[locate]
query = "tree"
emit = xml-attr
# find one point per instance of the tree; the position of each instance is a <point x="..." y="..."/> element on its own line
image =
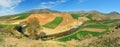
<point x="33" y="28"/>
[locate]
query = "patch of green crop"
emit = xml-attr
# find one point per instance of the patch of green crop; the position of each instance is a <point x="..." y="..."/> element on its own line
<point x="22" y="16"/>
<point x="53" y="24"/>
<point x="90" y="16"/>
<point x="101" y="26"/>
<point x="111" y="21"/>
<point x="81" y="33"/>
<point x="75" y="16"/>
<point x="2" y="25"/>
<point x="8" y="25"/>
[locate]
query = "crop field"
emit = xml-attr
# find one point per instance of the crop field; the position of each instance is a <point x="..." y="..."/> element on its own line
<point x="53" y="24"/>
<point x="101" y="26"/>
<point x="75" y="16"/>
<point x="111" y="21"/>
<point x="22" y="16"/>
<point x="90" y="16"/>
<point x="83" y="32"/>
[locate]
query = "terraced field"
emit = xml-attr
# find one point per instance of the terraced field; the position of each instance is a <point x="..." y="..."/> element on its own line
<point x="22" y="16"/>
<point x="101" y="26"/>
<point x="75" y="16"/>
<point x="53" y="24"/>
<point x="84" y="32"/>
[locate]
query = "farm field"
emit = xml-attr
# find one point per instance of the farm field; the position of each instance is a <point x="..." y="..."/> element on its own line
<point x="59" y="28"/>
<point x="53" y="24"/>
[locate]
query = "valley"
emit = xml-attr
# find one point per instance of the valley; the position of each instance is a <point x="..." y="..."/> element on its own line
<point x="63" y="29"/>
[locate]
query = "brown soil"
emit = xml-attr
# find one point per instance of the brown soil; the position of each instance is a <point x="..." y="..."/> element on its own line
<point x="45" y="18"/>
<point x="94" y="29"/>
<point x="67" y="22"/>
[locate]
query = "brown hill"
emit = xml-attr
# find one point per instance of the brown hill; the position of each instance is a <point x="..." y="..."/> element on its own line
<point x="44" y="18"/>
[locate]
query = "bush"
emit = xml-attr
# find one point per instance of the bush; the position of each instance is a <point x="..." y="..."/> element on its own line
<point x="33" y="28"/>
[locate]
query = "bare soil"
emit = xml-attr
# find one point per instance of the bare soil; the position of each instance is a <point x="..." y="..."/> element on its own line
<point x="94" y="29"/>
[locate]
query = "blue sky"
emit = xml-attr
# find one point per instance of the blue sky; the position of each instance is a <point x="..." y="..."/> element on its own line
<point x="17" y="6"/>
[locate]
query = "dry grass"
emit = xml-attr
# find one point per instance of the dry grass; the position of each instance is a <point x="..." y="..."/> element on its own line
<point x="94" y="29"/>
<point x="14" y="42"/>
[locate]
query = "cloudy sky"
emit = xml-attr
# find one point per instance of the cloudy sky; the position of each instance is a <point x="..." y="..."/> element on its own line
<point x="17" y="6"/>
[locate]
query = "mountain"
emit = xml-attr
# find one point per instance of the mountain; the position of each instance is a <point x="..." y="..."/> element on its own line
<point x="42" y="11"/>
<point x="114" y="13"/>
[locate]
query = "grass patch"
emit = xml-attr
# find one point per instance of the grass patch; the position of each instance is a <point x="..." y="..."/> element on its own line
<point x="101" y="26"/>
<point x="22" y="16"/>
<point x="1" y="38"/>
<point x="2" y="25"/>
<point x="8" y="25"/>
<point x="53" y="24"/>
<point x="75" y="16"/>
<point x="111" y="21"/>
<point x="90" y="16"/>
<point x="82" y="34"/>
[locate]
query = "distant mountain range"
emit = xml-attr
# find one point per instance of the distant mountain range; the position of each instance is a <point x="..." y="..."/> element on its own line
<point x="42" y="11"/>
<point x="34" y="11"/>
<point x="95" y="13"/>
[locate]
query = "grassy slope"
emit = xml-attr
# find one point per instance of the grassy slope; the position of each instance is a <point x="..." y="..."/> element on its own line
<point x="82" y="34"/>
<point x="53" y="24"/>
<point x="90" y="16"/>
<point x="75" y="16"/>
<point x="79" y="35"/>
<point x="101" y="26"/>
<point x="111" y="21"/>
<point x="5" y="28"/>
<point x="22" y="16"/>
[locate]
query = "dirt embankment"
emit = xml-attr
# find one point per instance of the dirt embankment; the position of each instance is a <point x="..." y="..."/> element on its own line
<point x="67" y="22"/>
<point x="94" y="29"/>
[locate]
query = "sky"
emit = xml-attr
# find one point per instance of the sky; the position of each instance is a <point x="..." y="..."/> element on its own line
<point x="8" y="7"/>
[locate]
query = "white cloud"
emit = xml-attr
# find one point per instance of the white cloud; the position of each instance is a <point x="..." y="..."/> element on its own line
<point x="62" y="0"/>
<point x="8" y="6"/>
<point x="51" y="4"/>
<point x="82" y="1"/>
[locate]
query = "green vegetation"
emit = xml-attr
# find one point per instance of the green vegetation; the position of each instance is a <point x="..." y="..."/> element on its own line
<point x="1" y="38"/>
<point x="6" y="28"/>
<point x="2" y="25"/>
<point x="22" y="16"/>
<point x="101" y="26"/>
<point x="75" y="16"/>
<point x="90" y="16"/>
<point x="53" y="24"/>
<point x="111" y="21"/>
<point x="6" y="25"/>
<point x="81" y="34"/>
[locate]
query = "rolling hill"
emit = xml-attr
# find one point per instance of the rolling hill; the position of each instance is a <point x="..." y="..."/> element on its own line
<point x="59" y="26"/>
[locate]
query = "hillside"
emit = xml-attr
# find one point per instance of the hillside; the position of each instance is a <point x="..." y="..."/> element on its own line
<point x="63" y="29"/>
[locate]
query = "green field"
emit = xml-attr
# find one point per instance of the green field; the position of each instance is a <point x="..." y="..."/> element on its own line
<point x="75" y="16"/>
<point x="53" y="24"/>
<point x="101" y="26"/>
<point x="22" y="16"/>
<point x="90" y="16"/>
<point x="81" y="34"/>
<point x="1" y="38"/>
<point x="111" y="21"/>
